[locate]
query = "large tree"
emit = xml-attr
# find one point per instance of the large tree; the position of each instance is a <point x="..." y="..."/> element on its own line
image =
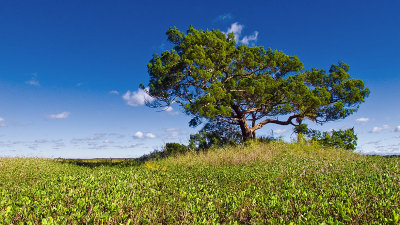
<point x="211" y="77"/>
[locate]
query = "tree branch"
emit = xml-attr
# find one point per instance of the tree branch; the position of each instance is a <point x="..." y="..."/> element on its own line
<point x="287" y="122"/>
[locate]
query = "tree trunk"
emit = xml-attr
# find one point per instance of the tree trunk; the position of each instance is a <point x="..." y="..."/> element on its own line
<point x="246" y="131"/>
<point x="253" y="123"/>
<point x="300" y="138"/>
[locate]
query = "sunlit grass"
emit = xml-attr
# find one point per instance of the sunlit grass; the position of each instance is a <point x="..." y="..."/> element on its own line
<point x="256" y="184"/>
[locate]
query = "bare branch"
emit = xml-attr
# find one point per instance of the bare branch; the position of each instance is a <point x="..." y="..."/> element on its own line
<point x="275" y="121"/>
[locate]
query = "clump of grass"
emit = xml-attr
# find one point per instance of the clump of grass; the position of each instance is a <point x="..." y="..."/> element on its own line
<point x="254" y="184"/>
<point x="253" y="152"/>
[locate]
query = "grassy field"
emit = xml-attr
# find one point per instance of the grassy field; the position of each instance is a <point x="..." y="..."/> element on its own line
<point x="257" y="184"/>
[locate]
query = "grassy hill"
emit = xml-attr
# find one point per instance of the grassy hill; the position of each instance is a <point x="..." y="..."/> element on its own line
<point x="255" y="184"/>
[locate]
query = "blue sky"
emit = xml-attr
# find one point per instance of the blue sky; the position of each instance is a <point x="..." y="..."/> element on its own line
<point x="70" y="70"/>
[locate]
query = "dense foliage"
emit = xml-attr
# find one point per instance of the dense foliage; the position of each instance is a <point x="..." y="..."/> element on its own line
<point x="345" y="139"/>
<point x="257" y="184"/>
<point x="211" y="76"/>
<point x="175" y="148"/>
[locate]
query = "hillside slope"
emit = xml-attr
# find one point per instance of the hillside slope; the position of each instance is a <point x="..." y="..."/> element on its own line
<point x="256" y="184"/>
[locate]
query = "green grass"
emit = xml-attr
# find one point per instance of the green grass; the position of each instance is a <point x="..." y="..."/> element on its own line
<point x="256" y="184"/>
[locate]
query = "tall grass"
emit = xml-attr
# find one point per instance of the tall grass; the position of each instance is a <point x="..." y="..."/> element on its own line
<point x="254" y="184"/>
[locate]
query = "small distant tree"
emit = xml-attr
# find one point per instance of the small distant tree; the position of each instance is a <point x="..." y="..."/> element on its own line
<point x="175" y="148"/>
<point x="211" y="76"/>
<point x="215" y="134"/>
<point x="345" y="139"/>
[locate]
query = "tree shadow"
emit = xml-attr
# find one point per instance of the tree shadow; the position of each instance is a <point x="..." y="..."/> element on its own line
<point x="98" y="162"/>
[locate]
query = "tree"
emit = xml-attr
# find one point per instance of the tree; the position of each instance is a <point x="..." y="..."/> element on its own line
<point x="211" y="76"/>
<point x="175" y="149"/>
<point x="345" y="139"/>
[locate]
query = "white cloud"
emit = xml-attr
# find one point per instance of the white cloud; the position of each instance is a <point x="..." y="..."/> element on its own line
<point x="279" y="131"/>
<point x="362" y="120"/>
<point x="397" y="129"/>
<point x="168" y="109"/>
<point x="138" y="134"/>
<point x="113" y="92"/>
<point x="137" y="98"/>
<point x="59" y="116"/>
<point x="141" y="135"/>
<point x="150" y="135"/>
<point x="236" y="29"/>
<point x="379" y="129"/>
<point x="246" y="39"/>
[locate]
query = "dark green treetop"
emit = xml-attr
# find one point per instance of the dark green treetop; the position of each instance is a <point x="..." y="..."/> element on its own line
<point x="211" y="76"/>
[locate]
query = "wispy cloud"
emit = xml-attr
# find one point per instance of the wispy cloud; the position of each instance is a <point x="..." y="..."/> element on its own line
<point x="59" y="116"/>
<point x="95" y="137"/>
<point x="379" y="129"/>
<point x="223" y="17"/>
<point x="397" y="129"/>
<point x="33" y="81"/>
<point x="374" y="142"/>
<point x="279" y="131"/>
<point x="98" y="139"/>
<point x="174" y="132"/>
<point x="246" y="39"/>
<point x="141" y="135"/>
<point x="137" y="98"/>
<point x="55" y="143"/>
<point x="236" y="29"/>
<point x="114" y="92"/>
<point x="128" y="146"/>
<point x="41" y="141"/>
<point x="170" y="110"/>
<point x="362" y="120"/>
<point x="2" y="124"/>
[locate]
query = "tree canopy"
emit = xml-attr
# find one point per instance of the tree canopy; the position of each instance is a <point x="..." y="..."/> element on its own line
<point x="212" y="77"/>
